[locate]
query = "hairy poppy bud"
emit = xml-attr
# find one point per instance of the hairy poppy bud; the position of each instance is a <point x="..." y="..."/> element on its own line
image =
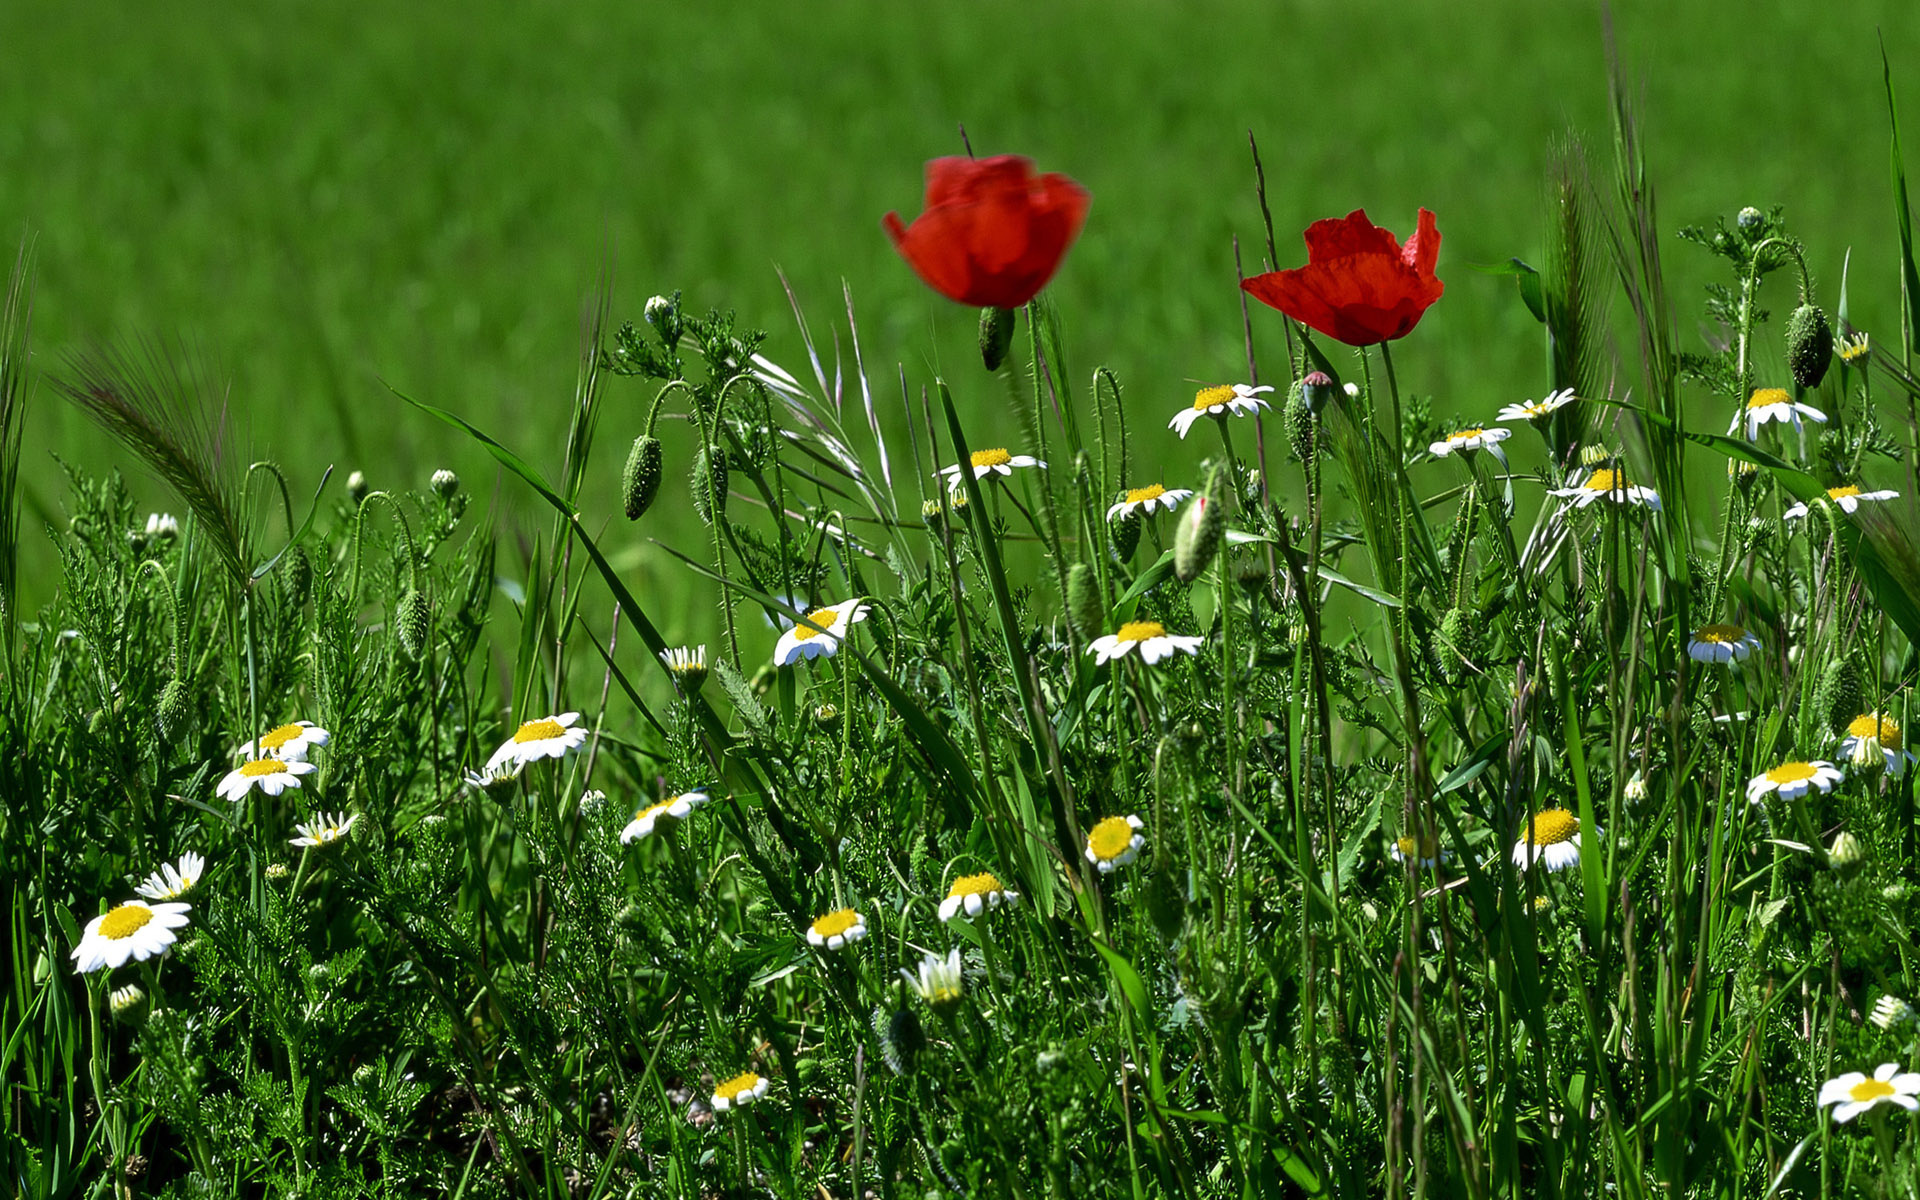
<point x="296" y="575"/>
<point x="709" y="484"/>
<point x="1299" y="416"/>
<point x="1124" y="532"/>
<point x="172" y="710"/>
<point x="1198" y="537"/>
<point x="996" y="336"/>
<point x="412" y="621"/>
<point x="1809" y="345"/>
<point x="1842" y="692"/>
<point x="640" y="481"/>
<point x="1084" y="607"/>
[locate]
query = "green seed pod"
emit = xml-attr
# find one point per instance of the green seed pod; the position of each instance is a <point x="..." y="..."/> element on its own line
<point x="1124" y="532"/>
<point x="640" y="481"/>
<point x="1843" y="693"/>
<point x="412" y="621"/>
<point x="709" y="484"/>
<point x="1197" y="539"/>
<point x="1809" y="345"/>
<point x="173" y="710"/>
<point x="1300" y="431"/>
<point x="902" y="1038"/>
<point x="1456" y="644"/>
<point x="1166" y="902"/>
<point x="1084" y="606"/>
<point x="996" y="336"/>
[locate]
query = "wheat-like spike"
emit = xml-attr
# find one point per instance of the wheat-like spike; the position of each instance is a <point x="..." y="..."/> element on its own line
<point x="168" y="412"/>
<point x="16" y="316"/>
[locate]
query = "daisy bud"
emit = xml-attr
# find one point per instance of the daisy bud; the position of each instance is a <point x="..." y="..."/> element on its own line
<point x="1197" y="539"/>
<point x="1846" y="855"/>
<point x="1319" y="390"/>
<point x="127" y="1002"/>
<point x="1595" y="456"/>
<point x="1084" y="606"/>
<point x="444" y="483"/>
<point x="356" y="488"/>
<point x="1299" y="417"/>
<point x="276" y="870"/>
<point x="933" y="514"/>
<point x="996" y="336"/>
<point x="709" y="484"/>
<point x="640" y="480"/>
<point x="412" y="622"/>
<point x="1750" y="220"/>
<point x="1866" y="755"/>
<point x="1743" y="473"/>
<point x="1123" y="532"/>
<point x="827" y="717"/>
<point x="663" y="314"/>
<point x="1809" y="345"/>
<point x="172" y="710"/>
<point x="1889" y="1011"/>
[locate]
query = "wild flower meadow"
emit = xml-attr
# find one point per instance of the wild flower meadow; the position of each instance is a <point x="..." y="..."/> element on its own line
<point x="1518" y="803"/>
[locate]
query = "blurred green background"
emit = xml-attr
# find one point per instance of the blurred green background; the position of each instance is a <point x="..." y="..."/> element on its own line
<point x="322" y="197"/>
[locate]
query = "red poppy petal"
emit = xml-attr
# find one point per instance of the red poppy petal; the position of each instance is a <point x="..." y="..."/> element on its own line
<point x="1351" y="234"/>
<point x="1422" y="250"/>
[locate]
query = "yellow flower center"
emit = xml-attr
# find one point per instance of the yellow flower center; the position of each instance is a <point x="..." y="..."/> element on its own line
<point x="1793" y="772"/>
<point x="1852" y="350"/>
<point x="1426" y="847"/>
<point x="975" y="885"/>
<point x="1151" y="492"/>
<point x="1836" y="493"/>
<point x="823" y="617"/>
<point x="1765" y="396"/>
<point x="745" y="1081"/>
<point x="1868" y="1090"/>
<point x="263" y="766"/>
<point x="1873" y="725"/>
<point x="1464" y="435"/>
<point x="1212" y="397"/>
<point x="124" y="921"/>
<point x="836" y="923"/>
<point x="1140" y="631"/>
<point x="1110" y="838"/>
<point x="1720" y="633"/>
<point x="538" y="731"/>
<point x="1552" y="827"/>
<point x="277" y="738"/>
<point x="653" y="809"/>
<point x="991" y="458"/>
<point x="1605" y="480"/>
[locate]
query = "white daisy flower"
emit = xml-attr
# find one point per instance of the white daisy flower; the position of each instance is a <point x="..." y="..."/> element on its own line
<point x="285" y="741"/>
<point x="1228" y="399"/>
<point x="677" y="808"/>
<point x="1146" y="499"/>
<point x="1848" y="498"/>
<point x="805" y="641"/>
<point x="687" y="665"/>
<point x="171" y="882"/>
<point x="493" y="775"/>
<point x="1551" y="839"/>
<point x="1855" y="1093"/>
<point x="1853" y="348"/>
<point x="1774" y="404"/>
<point x="126" y="1001"/>
<point x="1890" y="1010"/>
<point x="973" y="894"/>
<point x="1115" y="842"/>
<point x="1533" y="410"/>
<point x="1721" y="643"/>
<point x="994" y="461"/>
<point x="325" y="831"/>
<point x="134" y="931"/>
<point x="549" y="737"/>
<point x="162" y="525"/>
<point x="270" y="775"/>
<point x="1152" y="638"/>
<point x="940" y="982"/>
<point x="1426" y="851"/>
<point x="743" y="1089"/>
<point x="1608" y="484"/>
<point x="1468" y="440"/>
<point x="838" y="928"/>
<point x="1876" y="738"/>
<point x="1793" y="780"/>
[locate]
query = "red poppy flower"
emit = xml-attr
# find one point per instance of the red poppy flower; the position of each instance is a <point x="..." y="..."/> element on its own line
<point x="1359" y="286"/>
<point x="993" y="233"/>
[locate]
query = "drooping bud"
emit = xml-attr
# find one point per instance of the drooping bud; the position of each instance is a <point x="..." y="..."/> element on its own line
<point x="444" y="483"/>
<point x="1300" y="421"/>
<point x="1843" y="693"/>
<point x="172" y="711"/>
<point x="709" y="484"/>
<point x="1809" y="345"/>
<point x="1124" y="532"/>
<point x="1319" y="390"/>
<point x="1197" y="539"/>
<point x="1456" y="644"/>
<point x="663" y="314"/>
<point x="640" y="480"/>
<point x="1084" y="607"/>
<point x="1750" y="220"/>
<point x="412" y="621"/>
<point x="996" y="336"/>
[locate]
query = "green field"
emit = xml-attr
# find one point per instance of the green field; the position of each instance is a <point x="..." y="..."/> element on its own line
<point x="327" y="199"/>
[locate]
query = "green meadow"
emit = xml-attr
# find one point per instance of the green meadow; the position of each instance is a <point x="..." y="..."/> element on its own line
<point x="325" y="200"/>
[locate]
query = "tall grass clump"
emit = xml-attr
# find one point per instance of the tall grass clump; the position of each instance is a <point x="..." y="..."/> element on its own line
<point x="1469" y="796"/>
